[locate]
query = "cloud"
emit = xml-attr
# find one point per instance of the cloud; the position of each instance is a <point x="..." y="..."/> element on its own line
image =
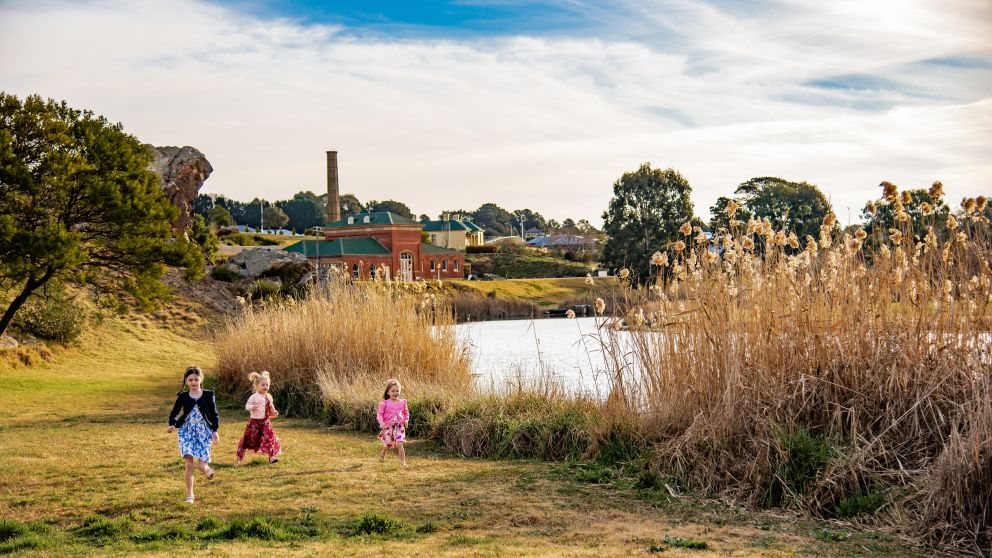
<point x="545" y="122"/>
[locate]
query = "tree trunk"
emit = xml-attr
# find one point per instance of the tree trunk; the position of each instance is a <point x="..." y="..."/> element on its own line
<point x="20" y="299"/>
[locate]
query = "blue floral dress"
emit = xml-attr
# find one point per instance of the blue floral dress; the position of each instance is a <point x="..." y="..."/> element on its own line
<point x="195" y="436"/>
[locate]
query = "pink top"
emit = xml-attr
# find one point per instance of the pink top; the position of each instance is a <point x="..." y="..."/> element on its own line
<point x="260" y="400"/>
<point x="392" y="411"/>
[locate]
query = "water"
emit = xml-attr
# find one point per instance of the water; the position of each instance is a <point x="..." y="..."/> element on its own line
<point x="510" y="352"/>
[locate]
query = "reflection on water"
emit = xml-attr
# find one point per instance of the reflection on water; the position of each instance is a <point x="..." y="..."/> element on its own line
<point x="570" y="352"/>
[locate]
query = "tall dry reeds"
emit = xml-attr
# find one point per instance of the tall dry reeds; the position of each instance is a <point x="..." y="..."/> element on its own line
<point x="343" y="341"/>
<point x="825" y="373"/>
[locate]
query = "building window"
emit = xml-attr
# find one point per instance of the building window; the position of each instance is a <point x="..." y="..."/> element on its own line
<point x="406" y="266"/>
<point x="356" y="272"/>
<point x="434" y="239"/>
<point x="444" y="265"/>
<point x="372" y="271"/>
<point x="455" y="264"/>
<point x="433" y="266"/>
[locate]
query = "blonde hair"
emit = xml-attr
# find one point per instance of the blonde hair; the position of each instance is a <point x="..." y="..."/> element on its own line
<point x="255" y="376"/>
<point x="390" y="383"/>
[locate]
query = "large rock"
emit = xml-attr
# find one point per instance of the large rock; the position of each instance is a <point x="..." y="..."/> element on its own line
<point x="256" y="261"/>
<point x="183" y="171"/>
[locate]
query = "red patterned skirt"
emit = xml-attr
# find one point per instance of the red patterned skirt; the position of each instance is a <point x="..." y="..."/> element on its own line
<point x="260" y="438"/>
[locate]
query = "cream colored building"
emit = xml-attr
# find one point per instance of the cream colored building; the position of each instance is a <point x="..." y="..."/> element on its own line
<point x="454" y="234"/>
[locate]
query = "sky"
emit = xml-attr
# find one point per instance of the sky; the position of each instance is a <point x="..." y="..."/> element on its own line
<point x="448" y="104"/>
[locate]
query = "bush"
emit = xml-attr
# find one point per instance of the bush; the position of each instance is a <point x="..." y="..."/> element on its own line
<point x="377" y="524"/>
<point x="226" y="274"/>
<point x="801" y="458"/>
<point x="866" y="503"/>
<point x="484" y="249"/>
<point x="53" y="320"/>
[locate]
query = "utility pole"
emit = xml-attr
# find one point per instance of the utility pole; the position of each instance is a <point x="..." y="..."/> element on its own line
<point x="261" y="217"/>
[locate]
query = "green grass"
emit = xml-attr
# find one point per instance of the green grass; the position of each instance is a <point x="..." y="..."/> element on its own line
<point x="543" y="292"/>
<point x="88" y="469"/>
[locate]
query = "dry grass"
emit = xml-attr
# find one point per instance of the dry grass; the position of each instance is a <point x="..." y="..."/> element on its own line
<point x="872" y="365"/>
<point x="342" y="337"/>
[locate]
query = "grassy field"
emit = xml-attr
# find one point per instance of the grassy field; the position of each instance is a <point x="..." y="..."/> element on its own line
<point x="87" y="469"/>
<point x="543" y="292"/>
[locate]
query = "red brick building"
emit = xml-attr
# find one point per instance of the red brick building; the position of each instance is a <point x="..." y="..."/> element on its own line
<point x="381" y="245"/>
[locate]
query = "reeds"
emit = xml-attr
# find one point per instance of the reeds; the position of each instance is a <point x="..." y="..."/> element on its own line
<point x="877" y="347"/>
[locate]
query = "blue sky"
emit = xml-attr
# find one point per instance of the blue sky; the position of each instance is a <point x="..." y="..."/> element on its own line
<point x="543" y="105"/>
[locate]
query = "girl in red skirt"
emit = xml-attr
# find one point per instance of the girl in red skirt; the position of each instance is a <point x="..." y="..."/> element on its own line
<point x="258" y="436"/>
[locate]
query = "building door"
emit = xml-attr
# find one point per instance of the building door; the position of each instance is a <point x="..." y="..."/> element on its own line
<point x="406" y="266"/>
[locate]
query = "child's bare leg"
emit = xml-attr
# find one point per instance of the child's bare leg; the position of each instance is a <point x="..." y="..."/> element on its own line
<point x="399" y="448"/>
<point x="188" y="476"/>
<point x="382" y="454"/>
<point x="205" y="469"/>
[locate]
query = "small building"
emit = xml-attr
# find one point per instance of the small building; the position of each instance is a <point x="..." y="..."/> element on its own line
<point x="381" y="245"/>
<point x="532" y="233"/>
<point x="454" y="233"/>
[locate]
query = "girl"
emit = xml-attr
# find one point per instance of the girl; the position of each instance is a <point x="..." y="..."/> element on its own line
<point x="258" y="436"/>
<point x="393" y="417"/>
<point x="197" y="425"/>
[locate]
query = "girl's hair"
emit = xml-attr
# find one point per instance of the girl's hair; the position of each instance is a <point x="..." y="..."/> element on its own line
<point x="255" y="376"/>
<point x="390" y="383"/>
<point x="189" y="372"/>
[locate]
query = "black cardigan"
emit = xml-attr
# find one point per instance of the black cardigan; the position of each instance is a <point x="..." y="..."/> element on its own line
<point x="207" y="404"/>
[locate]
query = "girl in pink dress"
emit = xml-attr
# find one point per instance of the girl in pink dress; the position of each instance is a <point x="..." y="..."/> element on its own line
<point x="393" y="417"/>
<point x="258" y="436"/>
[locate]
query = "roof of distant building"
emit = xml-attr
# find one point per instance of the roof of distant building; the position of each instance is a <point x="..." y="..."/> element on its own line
<point x="373" y="218"/>
<point x="431" y="249"/>
<point x="451" y="225"/>
<point x="339" y="247"/>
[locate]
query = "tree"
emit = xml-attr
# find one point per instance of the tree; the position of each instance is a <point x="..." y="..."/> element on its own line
<point x="78" y="205"/>
<point x="202" y="205"/>
<point x="219" y="216"/>
<point x="349" y="205"/>
<point x="304" y="211"/>
<point x="720" y="220"/>
<point x="647" y="209"/>
<point x="790" y="206"/>
<point x="568" y="224"/>
<point x="203" y="236"/>
<point x="922" y="210"/>
<point x="274" y="217"/>
<point x="394" y="206"/>
<point x="493" y="218"/>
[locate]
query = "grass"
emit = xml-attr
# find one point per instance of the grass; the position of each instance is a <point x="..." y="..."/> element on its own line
<point x="526" y="265"/>
<point x="546" y="293"/>
<point x="88" y="469"/>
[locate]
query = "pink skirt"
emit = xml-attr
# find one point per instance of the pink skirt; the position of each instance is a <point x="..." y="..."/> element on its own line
<point x="259" y="437"/>
<point x="391" y="435"/>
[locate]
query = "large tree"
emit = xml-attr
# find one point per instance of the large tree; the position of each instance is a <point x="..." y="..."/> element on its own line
<point x="274" y="217"/>
<point x="79" y="205"/>
<point x="394" y="206"/>
<point x="790" y="206"/>
<point x="304" y="211"/>
<point x="648" y="207"/>
<point x="923" y="212"/>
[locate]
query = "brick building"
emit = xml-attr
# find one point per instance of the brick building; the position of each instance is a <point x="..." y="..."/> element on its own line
<point x="381" y="245"/>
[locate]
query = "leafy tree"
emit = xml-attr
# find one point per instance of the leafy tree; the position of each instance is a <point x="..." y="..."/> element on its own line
<point x="218" y="216"/>
<point x="396" y="207"/>
<point x="554" y="225"/>
<point x="719" y="220"/>
<point x="920" y="216"/>
<point x="493" y="218"/>
<point x="304" y="210"/>
<point x="349" y="205"/>
<point x="203" y="204"/>
<point x="252" y="213"/>
<point x="791" y="206"/>
<point x="203" y="236"/>
<point x="274" y="217"/>
<point x="647" y="209"/>
<point x="424" y="218"/>
<point x="568" y="224"/>
<point x="78" y="205"/>
<point x="585" y="227"/>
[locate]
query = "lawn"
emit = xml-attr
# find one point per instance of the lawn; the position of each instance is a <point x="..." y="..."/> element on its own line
<point x="88" y="469"/>
<point x="543" y="292"/>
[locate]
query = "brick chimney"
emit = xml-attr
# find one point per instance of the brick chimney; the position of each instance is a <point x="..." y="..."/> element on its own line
<point x="333" y="192"/>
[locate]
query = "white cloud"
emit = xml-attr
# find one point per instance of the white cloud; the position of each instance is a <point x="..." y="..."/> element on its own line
<point x="545" y="123"/>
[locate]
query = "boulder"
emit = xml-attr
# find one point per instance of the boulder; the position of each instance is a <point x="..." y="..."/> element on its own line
<point x="8" y="342"/>
<point x="182" y="171"/>
<point x="254" y="262"/>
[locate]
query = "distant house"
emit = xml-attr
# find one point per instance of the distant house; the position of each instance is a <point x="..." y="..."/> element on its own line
<point x="381" y="245"/>
<point x="563" y="241"/>
<point x="532" y="233"/>
<point x="454" y="232"/>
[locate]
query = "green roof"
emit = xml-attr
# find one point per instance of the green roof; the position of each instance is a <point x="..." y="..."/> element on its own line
<point x="445" y="226"/>
<point x="339" y="247"/>
<point x="431" y="249"/>
<point x="374" y="218"/>
<point x="472" y="226"/>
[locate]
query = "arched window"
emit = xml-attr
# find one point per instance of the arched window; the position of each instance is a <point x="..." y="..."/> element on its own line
<point x="444" y="265"/>
<point x="356" y="272"/>
<point x="406" y="266"/>
<point x="455" y="264"/>
<point x="371" y="271"/>
<point x="433" y="266"/>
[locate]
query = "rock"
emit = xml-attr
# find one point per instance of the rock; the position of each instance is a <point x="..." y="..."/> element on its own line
<point x="256" y="261"/>
<point x="182" y="171"/>
<point x="8" y="342"/>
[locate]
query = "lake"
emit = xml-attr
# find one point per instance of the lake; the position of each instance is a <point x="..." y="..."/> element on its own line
<point x="506" y="353"/>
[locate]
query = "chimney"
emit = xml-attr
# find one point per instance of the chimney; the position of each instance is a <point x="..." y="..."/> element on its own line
<point x="333" y="192"/>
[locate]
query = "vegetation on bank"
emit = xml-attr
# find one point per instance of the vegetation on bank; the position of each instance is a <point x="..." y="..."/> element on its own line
<point x="526" y="265"/>
<point x="815" y="374"/>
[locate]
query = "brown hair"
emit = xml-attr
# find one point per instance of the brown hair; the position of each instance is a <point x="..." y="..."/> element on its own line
<point x="390" y="383"/>
<point x="189" y="372"/>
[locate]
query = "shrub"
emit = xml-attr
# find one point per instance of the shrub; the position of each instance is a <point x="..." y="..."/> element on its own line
<point x="861" y="503"/>
<point x="10" y="529"/>
<point x="51" y="319"/>
<point x="484" y="249"/>
<point x="377" y="524"/>
<point x="801" y="459"/>
<point x="226" y="274"/>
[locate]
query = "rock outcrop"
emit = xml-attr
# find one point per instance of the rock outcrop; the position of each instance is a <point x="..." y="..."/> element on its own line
<point x="257" y="261"/>
<point x="183" y="171"/>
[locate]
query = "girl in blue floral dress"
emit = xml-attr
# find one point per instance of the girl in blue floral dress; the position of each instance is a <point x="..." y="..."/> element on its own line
<point x="195" y="415"/>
